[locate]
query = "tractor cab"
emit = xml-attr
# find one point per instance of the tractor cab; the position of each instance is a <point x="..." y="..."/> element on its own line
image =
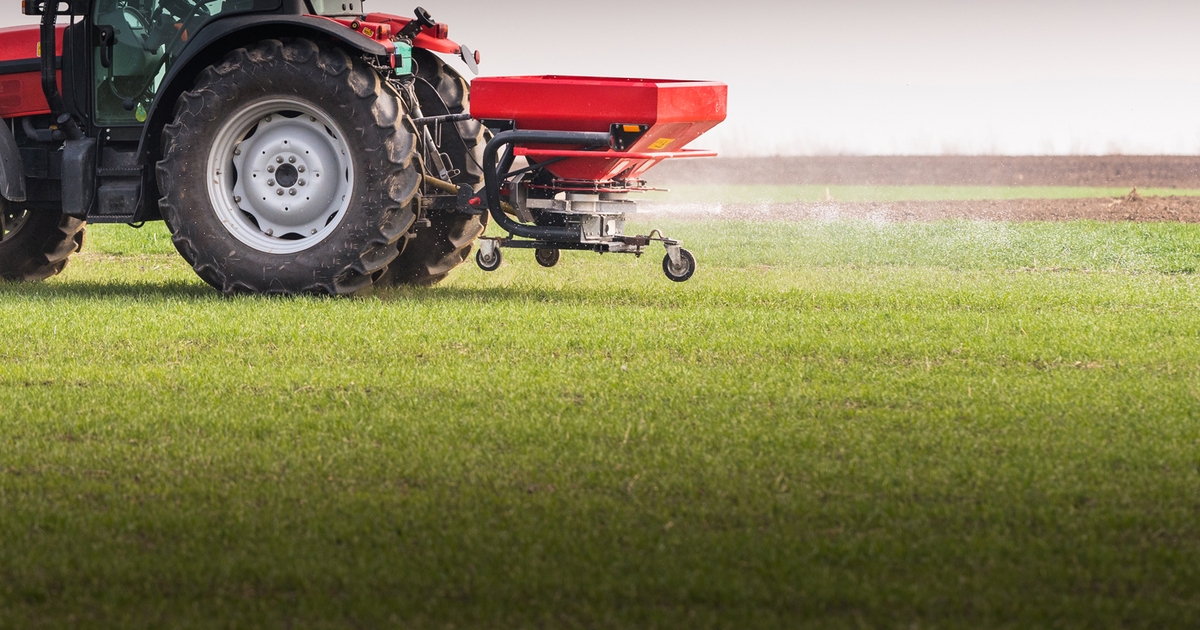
<point x="135" y="42"/>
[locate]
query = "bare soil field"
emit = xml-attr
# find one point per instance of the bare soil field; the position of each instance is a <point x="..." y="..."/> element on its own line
<point x="1104" y="171"/>
<point x="1086" y="171"/>
<point x="1147" y="210"/>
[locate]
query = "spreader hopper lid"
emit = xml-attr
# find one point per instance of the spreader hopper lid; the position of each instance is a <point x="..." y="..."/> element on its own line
<point x="563" y="103"/>
<point x="660" y="116"/>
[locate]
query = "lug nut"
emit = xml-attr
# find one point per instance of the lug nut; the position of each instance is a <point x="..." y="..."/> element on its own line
<point x="292" y="160"/>
<point x="279" y="160"/>
<point x="292" y="192"/>
<point x="270" y="182"/>
<point x="302" y="182"/>
<point x="279" y="192"/>
<point x="271" y="169"/>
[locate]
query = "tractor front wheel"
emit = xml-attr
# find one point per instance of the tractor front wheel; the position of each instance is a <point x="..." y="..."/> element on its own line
<point x="288" y="171"/>
<point x="35" y="244"/>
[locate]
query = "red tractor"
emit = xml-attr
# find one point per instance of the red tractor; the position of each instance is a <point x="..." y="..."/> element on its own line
<point x="309" y="147"/>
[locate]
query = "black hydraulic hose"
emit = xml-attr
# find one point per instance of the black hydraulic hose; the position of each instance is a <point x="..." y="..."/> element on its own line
<point x="492" y="175"/>
<point x="58" y="108"/>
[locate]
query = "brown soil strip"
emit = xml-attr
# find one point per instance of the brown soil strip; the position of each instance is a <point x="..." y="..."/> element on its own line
<point x="1105" y="171"/>
<point x="1149" y="209"/>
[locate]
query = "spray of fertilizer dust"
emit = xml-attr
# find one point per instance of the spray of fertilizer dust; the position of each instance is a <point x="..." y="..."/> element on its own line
<point x="802" y="200"/>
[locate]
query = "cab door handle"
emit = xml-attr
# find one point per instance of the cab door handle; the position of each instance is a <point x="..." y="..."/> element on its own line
<point x="108" y="39"/>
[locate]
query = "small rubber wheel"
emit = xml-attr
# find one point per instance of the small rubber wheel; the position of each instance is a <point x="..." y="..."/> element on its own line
<point x="684" y="271"/>
<point x="489" y="263"/>
<point x="547" y="257"/>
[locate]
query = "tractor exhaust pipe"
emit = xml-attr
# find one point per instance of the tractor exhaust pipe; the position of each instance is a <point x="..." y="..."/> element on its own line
<point x="49" y="36"/>
<point x="492" y="176"/>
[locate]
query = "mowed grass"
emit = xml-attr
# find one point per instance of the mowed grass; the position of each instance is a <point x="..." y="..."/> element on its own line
<point x="750" y="194"/>
<point x="840" y="424"/>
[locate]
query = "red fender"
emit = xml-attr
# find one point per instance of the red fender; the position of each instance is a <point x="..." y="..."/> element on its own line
<point x="382" y="27"/>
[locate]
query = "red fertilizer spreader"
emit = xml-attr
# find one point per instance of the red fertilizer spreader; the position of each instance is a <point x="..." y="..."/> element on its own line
<point x="585" y="144"/>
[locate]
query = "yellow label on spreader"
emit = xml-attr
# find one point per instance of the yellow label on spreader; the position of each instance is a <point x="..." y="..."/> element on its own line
<point x="632" y="128"/>
<point x="662" y="144"/>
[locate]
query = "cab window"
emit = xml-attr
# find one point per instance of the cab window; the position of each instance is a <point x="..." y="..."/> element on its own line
<point x="136" y="43"/>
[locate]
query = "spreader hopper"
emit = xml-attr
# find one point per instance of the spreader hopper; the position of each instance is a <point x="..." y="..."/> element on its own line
<point x="586" y="143"/>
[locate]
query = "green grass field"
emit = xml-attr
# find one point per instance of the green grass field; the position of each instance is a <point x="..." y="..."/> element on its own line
<point x="885" y="194"/>
<point x="835" y="424"/>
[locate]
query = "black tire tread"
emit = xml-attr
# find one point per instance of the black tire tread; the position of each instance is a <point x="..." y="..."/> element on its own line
<point x="42" y="247"/>
<point x="439" y="248"/>
<point x="399" y="180"/>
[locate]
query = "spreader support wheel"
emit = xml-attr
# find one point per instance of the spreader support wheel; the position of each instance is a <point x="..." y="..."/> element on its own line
<point x="679" y="264"/>
<point x="489" y="257"/>
<point x="547" y="257"/>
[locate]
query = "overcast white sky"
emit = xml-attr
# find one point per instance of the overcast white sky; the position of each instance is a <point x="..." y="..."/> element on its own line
<point x="875" y="76"/>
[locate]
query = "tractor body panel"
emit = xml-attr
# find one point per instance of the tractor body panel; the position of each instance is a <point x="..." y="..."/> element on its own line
<point x="20" y="72"/>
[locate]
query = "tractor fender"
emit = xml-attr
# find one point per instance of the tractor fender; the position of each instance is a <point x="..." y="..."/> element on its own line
<point x="12" y="168"/>
<point x="217" y="39"/>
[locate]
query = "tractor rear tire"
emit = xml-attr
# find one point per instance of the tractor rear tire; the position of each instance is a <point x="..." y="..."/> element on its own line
<point x="36" y="244"/>
<point x="436" y="249"/>
<point x="288" y="171"/>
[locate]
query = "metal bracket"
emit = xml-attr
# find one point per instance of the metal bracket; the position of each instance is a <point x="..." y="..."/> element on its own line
<point x="38" y="7"/>
<point x="466" y="194"/>
<point x="489" y="246"/>
<point x="520" y="198"/>
<point x="673" y="251"/>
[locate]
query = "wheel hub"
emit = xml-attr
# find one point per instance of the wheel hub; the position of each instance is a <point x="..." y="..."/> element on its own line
<point x="11" y="222"/>
<point x="287" y="175"/>
<point x="281" y="176"/>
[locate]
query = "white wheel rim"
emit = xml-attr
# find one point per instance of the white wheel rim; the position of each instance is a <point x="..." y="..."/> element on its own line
<point x="280" y="176"/>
